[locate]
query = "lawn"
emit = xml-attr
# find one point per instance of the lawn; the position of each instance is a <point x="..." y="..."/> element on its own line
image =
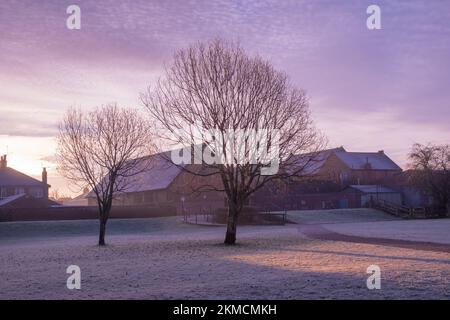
<point x="162" y="258"/>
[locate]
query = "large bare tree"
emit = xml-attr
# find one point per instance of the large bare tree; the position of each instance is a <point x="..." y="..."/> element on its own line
<point x="103" y="150"/>
<point x="430" y="166"/>
<point x="238" y="108"/>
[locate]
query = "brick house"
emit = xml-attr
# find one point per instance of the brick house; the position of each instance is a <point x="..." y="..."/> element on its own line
<point x="13" y="182"/>
<point x="353" y="168"/>
<point x="166" y="185"/>
<point x="327" y="178"/>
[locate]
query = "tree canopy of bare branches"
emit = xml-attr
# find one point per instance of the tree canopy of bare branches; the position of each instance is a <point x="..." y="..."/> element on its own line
<point x="430" y="166"/>
<point x="238" y="107"/>
<point x="101" y="150"/>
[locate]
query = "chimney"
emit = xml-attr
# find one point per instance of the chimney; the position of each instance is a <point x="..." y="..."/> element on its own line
<point x="44" y="180"/>
<point x="381" y="151"/>
<point x="44" y="175"/>
<point x="3" y="162"/>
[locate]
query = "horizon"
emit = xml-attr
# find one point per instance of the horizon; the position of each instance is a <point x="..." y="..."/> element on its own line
<point x="369" y="90"/>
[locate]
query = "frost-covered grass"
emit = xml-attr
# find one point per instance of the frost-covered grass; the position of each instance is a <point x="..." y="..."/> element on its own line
<point x="165" y="259"/>
<point x="11" y="232"/>
<point x="338" y="216"/>
<point x="433" y="230"/>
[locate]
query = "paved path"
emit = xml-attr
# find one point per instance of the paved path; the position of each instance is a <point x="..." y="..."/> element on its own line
<point x="322" y="233"/>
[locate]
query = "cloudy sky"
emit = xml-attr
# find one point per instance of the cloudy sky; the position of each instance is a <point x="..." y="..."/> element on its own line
<point x="369" y="89"/>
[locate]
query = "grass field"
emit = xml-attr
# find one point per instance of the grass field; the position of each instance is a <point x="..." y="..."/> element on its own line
<point x="339" y="216"/>
<point x="163" y="258"/>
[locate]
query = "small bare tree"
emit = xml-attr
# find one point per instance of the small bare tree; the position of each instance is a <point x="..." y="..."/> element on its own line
<point x="430" y="166"/>
<point x="55" y="195"/>
<point x="237" y="108"/>
<point x="103" y="150"/>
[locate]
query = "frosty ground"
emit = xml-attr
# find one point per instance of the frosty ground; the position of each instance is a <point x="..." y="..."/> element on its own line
<point x="163" y="258"/>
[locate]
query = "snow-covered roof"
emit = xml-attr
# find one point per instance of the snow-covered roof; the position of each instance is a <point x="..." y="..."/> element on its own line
<point x="156" y="172"/>
<point x="23" y="200"/>
<point x="159" y="174"/>
<point x="366" y="188"/>
<point x="13" y="178"/>
<point x="359" y="160"/>
<point x="311" y="163"/>
<point x="9" y="199"/>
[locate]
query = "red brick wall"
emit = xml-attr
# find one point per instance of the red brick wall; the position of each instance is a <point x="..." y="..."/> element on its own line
<point x="313" y="201"/>
<point x="334" y="168"/>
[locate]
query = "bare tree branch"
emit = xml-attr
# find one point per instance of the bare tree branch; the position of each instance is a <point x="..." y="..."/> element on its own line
<point x="216" y="87"/>
<point x="430" y="167"/>
<point x="102" y="150"/>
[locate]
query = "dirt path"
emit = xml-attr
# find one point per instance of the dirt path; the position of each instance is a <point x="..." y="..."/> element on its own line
<point x="322" y="233"/>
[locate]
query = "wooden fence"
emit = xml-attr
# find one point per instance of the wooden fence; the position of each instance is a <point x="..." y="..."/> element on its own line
<point x="402" y="211"/>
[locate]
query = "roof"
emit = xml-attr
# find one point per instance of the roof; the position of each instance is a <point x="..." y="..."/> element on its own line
<point x="358" y="160"/>
<point x="366" y="188"/>
<point x="26" y="201"/>
<point x="10" y="199"/>
<point x="312" y="162"/>
<point x="158" y="173"/>
<point x="11" y="178"/>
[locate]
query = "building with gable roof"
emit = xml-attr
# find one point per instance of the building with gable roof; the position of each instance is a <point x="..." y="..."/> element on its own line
<point x="13" y="182"/>
<point x="331" y="171"/>
<point x="356" y="168"/>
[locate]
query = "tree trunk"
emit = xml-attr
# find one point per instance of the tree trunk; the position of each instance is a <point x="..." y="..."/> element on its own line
<point x="230" y="237"/>
<point x="101" y="237"/>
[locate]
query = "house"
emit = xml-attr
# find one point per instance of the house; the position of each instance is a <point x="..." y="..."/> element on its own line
<point x="79" y="201"/>
<point x="164" y="184"/>
<point x="326" y="177"/>
<point x="347" y="168"/>
<point x="13" y="182"/>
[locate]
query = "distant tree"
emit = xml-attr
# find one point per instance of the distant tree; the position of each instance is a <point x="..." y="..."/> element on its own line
<point x="58" y="197"/>
<point x="216" y="87"/>
<point x="101" y="150"/>
<point x="430" y="166"/>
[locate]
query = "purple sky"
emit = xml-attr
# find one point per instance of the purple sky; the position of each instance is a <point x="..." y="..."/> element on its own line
<point x="369" y="89"/>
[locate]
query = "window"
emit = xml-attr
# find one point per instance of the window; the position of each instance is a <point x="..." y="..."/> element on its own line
<point x="170" y="196"/>
<point x="37" y="192"/>
<point x="148" y="198"/>
<point x="138" y="198"/>
<point x="3" y="193"/>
